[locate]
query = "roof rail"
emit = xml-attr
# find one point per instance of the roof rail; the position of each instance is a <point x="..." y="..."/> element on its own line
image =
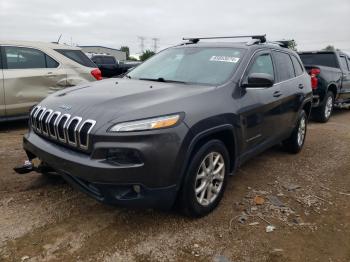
<point x="195" y="40"/>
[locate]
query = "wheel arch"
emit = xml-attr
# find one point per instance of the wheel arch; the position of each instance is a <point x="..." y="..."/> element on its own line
<point x="307" y="107"/>
<point x="224" y="133"/>
<point x="333" y="88"/>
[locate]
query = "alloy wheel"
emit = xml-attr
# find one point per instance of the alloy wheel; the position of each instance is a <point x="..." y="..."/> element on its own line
<point x="328" y="107"/>
<point x="210" y="178"/>
<point x="301" y="131"/>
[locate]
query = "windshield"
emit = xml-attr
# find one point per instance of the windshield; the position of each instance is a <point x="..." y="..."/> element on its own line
<point x="196" y="65"/>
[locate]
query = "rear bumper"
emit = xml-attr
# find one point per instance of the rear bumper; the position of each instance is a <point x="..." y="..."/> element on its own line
<point x="156" y="182"/>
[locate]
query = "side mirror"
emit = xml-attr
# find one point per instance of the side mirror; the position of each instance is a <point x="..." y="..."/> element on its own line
<point x="256" y="80"/>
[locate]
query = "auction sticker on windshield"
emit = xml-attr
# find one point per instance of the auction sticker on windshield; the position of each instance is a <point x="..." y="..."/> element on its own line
<point x="228" y="59"/>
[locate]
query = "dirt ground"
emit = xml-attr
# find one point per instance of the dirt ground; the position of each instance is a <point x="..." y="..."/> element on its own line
<point x="306" y="197"/>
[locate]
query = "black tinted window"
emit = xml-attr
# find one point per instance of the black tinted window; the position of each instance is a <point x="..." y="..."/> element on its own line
<point x="297" y="66"/>
<point x="284" y="66"/>
<point x="77" y="56"/>
<point x="343" y="62"/>
<point x="262" y="64"/>
<point x="322" y="59"/>
<point x="107" y="60"/>
<point x="22" y="58"/>
<point x="50" y="63"/>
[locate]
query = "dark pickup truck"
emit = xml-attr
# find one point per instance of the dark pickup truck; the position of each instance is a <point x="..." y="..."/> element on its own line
<point x="111" y="67"/>
<point x="330" y="77"/>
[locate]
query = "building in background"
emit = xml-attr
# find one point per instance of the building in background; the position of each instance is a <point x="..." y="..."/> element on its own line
<point x="91" y="50"/>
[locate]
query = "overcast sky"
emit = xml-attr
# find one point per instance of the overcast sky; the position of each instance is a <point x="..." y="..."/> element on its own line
<point x="313" y="24"/>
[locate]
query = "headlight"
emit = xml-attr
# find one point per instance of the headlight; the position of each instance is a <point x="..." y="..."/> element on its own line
<point x="146" y="124"/>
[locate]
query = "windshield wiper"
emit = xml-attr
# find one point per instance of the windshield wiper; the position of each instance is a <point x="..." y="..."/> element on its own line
<point x="161" y="79"/>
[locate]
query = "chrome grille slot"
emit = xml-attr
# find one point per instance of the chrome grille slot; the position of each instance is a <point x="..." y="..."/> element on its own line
<point x="84" y="132"/>
<point x="64" y="128"/>
<point x="52" y="122"/>
<point x="60" y="128"/>
<point x="32" y="115"/>
<point x="43" y="122"/>
<point x="71" y="131"/>
<point x="38" y="118"/>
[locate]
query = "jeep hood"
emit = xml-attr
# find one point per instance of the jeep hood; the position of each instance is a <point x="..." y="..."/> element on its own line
<point x="110" y="99"/>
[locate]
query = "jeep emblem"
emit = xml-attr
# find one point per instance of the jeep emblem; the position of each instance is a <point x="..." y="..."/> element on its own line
<point x="65" y="107"/>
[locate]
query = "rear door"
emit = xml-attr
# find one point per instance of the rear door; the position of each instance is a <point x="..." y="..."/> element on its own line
<point x="291" y="82"/>
<point x="29" y="76"/>
<point x="345" y="68"/>
<point x="2" y="91"/>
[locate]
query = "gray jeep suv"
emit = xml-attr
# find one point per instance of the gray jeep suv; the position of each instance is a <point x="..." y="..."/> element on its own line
<point x="175" y="127"/>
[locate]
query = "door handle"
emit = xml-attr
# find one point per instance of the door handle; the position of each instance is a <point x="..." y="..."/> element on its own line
<point x="301" y="86"/>
<point x="277" y="94"/>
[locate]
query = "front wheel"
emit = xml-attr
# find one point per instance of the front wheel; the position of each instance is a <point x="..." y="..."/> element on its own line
<point x="205" y="180"/>
<point x="297" y="139"/>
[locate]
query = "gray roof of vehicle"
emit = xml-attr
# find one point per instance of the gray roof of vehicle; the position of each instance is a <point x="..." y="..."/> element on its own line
<point x="38" y="44"/>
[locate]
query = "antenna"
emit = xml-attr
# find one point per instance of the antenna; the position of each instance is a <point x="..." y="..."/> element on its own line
<point x="59" y="38"/>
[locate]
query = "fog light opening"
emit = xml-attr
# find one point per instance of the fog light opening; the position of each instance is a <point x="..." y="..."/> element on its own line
<point x="137" y="189"/>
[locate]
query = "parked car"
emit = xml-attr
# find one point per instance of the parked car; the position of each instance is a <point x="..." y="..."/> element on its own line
<point x="29" y="71"/>
<point x="330" y="74"/>
<point x="176" y="126"/>
<point x="110" y="66"/>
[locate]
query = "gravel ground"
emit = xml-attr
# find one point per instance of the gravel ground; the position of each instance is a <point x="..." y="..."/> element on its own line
<point x="304" y="199"/>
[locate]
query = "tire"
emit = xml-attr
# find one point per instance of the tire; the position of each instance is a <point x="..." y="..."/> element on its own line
<point x="202" y="203"/>
<point x="323" y="113"/>
<point x="296" y="141"/>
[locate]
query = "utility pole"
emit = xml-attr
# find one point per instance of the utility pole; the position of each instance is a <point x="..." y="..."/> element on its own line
<point x="155" y="44"/>
<point x="142" y="43"/>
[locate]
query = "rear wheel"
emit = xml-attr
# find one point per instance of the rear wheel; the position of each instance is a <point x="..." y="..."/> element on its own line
<point x="205" y="179"/>
<point x="296" y="141"/>
<point x="324" y="112"/>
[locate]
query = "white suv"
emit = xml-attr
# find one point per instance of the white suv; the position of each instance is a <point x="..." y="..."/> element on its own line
<point x="29" y="71"/>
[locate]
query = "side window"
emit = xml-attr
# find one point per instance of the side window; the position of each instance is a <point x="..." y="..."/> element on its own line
<point x="50" y="63"/>
<point x="262" y="64"/>
<point x="22" y="58"/>
<point x="344" y="63"/>
<point x="349" y="63"/>
<point x="297" y="66"/>
<point x="284" y="66"/>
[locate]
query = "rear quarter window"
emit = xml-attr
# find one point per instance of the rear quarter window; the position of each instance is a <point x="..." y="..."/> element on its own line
<point x="77" y="56"/>
<point x="297" y="66"/>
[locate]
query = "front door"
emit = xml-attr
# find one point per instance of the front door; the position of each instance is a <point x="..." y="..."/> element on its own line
<point x="29" y="76"/>
<point x="260" y="107"/>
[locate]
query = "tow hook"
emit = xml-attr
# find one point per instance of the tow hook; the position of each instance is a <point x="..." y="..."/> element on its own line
<point x="27" y="167"/>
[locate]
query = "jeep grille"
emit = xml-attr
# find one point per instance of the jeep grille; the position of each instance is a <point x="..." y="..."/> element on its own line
<point x="64" y="128"/>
